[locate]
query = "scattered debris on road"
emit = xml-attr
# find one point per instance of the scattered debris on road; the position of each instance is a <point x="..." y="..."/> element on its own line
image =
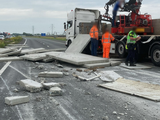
<point x="55" y="91"/>
<point x="16" y="100"/>
<point x="51" y="74"/>
<point x="30" y="85"/>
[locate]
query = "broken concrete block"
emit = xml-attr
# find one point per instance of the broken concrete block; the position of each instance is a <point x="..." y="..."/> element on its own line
<point x="107" y="64"/>
<point x="115" y="63"/>
<point x="3" y="59"/>
<point x="30" y="85"/>
<point x="105" y="118"/>
<point x="16" y="100"/>
<point x="30" y="51"/>
<point x="59" y="65"/>
<point x="48" y="59"/>
<point x="50" y="85"/>
<point x="34" y="57"/>
<point x="79" y="70"/>
<point x="55" y="91"/>
<point x="51" y="74"/>
<point x="3" y="55"/>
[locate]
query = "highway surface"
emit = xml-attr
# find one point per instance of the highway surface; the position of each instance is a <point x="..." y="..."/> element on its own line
<point x="80" y="100"/>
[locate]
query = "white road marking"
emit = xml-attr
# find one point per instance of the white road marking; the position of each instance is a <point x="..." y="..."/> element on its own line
<point x="4" y="67"/>
<point x="19" y="72"/>
<point x="20" y="115"/>
<point x="67" y="113"/>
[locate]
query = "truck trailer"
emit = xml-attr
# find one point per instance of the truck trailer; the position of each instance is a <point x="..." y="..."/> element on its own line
<point x="79" y="22"/>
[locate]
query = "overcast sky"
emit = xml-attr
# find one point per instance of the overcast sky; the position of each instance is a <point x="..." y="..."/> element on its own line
<point x="18" y="16"/>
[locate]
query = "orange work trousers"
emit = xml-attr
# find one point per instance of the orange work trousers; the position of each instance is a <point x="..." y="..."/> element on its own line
<point x="106" y="50"/>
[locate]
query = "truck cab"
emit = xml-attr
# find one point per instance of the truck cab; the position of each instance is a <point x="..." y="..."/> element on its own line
<point x="74" y="18"/>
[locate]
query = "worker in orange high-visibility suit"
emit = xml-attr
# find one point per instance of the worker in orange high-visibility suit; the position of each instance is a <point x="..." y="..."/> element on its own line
<point x="106" y="42"/>
<point x="94" y="39"/>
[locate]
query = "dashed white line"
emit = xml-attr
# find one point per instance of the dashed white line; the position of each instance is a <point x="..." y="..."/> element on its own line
<point x="4" y="67"/>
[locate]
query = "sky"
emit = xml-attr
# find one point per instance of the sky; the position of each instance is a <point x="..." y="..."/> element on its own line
<point x="18" y="16"/>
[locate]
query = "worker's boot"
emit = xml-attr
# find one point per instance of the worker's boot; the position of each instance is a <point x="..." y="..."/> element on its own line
<point x="132" y="64"/>
<point x="126" y="63"/>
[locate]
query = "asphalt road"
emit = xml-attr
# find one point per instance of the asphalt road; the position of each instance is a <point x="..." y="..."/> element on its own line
<point x="80" y="100"/>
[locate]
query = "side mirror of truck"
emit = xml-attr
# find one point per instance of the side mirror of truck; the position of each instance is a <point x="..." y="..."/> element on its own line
<point x="65" y="26"/>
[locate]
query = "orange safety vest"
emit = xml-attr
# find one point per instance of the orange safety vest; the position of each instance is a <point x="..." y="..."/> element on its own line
<point x="107" y="38"/>
<point x="94" y="32"/>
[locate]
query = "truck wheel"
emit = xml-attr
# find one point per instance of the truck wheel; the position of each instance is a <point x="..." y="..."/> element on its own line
<point x="69" y="43"/>
<point x="155" y="55"/>
<point x="121" y="50"/>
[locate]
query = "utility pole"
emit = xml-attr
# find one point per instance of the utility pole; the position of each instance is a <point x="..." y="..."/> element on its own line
<point x="33" y="30"/>
<point x="52" y="29"/>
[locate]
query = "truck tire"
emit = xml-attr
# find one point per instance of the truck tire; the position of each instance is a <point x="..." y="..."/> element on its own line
<point x="69" y="43"/>
<point x="155" y="55"/>
<point x="121" y="50"/>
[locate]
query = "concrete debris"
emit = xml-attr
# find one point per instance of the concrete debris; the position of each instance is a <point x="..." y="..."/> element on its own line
<point x="31" y="51"/>
<point x="121" y="114"/>
<point x="64" y="70"/>
<point x="105" y="118"/>
<point x="118" y="118"/>
<point x="108" y="76"/>
<point x="115" y="63"/>
<point x="6" y="50"/>
<point x="34" y="57"/>
<point x="76" y="58"/>
<point x="30" y="85"/>
<point x="86" y="70"/>
<point x="3" y="55"/>
<point x="15" y="90"/>
<point x="4" y="59"/>
<point x="48" y="59"/>
<point x="40" y="67"/>
<point x="66" y="74"/>
<point x="15" y="52"/>
<point x="16" y="100"/>
<point x="79" y="43"/>
<point x="107" y="64"/>
<point x="79" y="70"/>
<point x="51" y="74"/>
<point x="39" y="98"/>
<point x="55" y="91"/>
<point x="87" y="79"/>
<point x="59" y="65"/>
<point x="114" y="112"/>
<point x="50" y="85"/>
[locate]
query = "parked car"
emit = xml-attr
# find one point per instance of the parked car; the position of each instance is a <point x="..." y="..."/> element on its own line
<point x="1" y="37"/>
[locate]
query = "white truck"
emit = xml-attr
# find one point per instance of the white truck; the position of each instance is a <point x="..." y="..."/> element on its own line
<point x="74" y="18"/>
<point x="80" y="19"/>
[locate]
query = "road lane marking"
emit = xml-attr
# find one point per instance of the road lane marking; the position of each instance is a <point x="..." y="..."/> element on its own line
<point x="4" y="67"/>
<point x="19" y="113"/>
<point x="19" y="72"/>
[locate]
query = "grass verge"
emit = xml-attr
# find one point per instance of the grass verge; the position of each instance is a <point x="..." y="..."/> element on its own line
<point x="14" y="40"/>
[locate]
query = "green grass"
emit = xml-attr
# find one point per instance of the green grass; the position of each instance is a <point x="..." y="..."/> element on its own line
<point x="51" y="38"/>
<point x="14" y="40"/>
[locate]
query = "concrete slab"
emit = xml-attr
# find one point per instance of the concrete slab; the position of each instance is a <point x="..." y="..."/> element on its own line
<point x="15" y="52"/>
<point x="50" y="85"/>
<point x="34" y="57"/>
<point x="107" y="64"/>
<point x="77" y="58"/>
<point x="3" y="55"/>
<point x="51" y="74"/>
<point x="139" y="66"/>
<point x="115" y="63"/>
<point x="30" y="85"/>
<point x="16" y="100"/>
<point x="79" y="43"/>
<point x="140" y="89"/>
<point x="29" y="51"/>
<point x="55" y="91"/>
<point x="4" y="59"/>
<point x="48" y="59"/>
<point x="6" y="50"/>
<point x="109" y="76"/>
